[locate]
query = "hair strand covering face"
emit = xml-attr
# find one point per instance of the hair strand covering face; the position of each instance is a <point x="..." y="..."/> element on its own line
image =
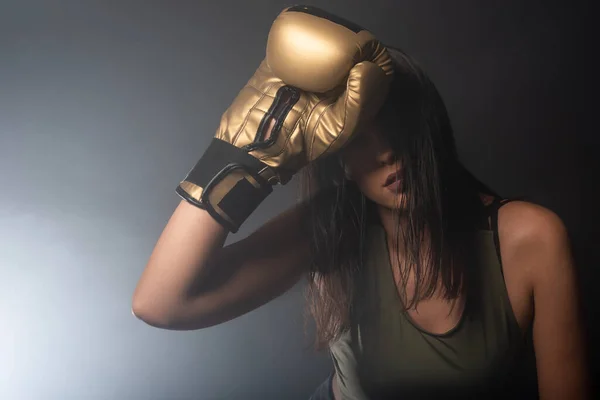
<point x="439" y="205"/>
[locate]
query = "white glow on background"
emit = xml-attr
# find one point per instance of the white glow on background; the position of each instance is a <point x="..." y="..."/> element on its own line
<point x="104" y="106"/>
<point x="101" y="113"/>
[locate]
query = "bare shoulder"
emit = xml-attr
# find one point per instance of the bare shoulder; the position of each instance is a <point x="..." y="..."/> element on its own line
<point x="531" y="236"/>
<point x="537" y="247"/>
<point x="525" y="223"/>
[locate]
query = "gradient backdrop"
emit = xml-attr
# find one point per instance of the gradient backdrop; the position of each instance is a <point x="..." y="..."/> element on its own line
<point x="105" y="105"/>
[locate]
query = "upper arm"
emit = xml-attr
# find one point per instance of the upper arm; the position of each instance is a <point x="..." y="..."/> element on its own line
<point x="249" y="273"/>
<point x="542" y="245"/>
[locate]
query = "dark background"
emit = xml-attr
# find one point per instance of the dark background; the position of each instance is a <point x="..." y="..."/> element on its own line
<point x="105" y="105"/>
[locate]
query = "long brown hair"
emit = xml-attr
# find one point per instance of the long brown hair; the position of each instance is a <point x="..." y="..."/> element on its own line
<point x="439" y="198"/>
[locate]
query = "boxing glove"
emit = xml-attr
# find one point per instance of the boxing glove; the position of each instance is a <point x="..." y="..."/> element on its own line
<point x="321" y="80"/>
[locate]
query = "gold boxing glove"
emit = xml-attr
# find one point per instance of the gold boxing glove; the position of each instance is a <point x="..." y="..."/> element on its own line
<point x="322" y="79"/>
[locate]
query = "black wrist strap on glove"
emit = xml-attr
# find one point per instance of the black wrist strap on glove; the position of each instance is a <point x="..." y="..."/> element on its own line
<point x="227" y="183"/>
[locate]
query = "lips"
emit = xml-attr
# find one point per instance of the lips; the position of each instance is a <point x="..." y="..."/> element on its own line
<point x="393" y="177"/>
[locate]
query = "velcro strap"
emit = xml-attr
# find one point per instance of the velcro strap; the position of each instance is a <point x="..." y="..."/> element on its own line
<point x="226" y="182"/>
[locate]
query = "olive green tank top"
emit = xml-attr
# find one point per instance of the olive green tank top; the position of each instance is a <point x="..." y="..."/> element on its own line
<point x="385" y="355"/>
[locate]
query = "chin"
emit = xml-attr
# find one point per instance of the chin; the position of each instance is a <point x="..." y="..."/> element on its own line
<point x="394" y="207"/>
<point x="389" y="201"/>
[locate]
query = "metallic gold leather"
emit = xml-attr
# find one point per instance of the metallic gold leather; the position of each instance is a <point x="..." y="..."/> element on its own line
<point x="344" y="78"/>
<point x="316" y="54"/>
<point x="317" y="125"/>
<point x="193" y="190"/>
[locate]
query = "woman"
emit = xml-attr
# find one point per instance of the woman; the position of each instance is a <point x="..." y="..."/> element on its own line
<point x="422" y="281"/>
<point x="432" y="285"/>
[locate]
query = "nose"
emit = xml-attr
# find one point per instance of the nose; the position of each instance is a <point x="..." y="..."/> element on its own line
<point x="386" y="156"/>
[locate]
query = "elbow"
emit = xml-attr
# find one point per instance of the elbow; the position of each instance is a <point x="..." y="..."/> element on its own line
<point x="173" y="316"/>
<point x="151" y="314"/>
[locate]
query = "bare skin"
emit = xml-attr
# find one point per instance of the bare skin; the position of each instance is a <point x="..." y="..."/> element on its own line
<point x="433" y="315"/>
<point x="192" y="281"/>
<point x="538" y="268"/>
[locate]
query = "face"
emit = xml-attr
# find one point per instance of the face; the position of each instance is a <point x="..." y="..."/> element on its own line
<point x="371" y="164"/>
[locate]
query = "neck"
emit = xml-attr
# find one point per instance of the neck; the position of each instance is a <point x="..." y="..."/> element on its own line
<point x="393" y="222"/>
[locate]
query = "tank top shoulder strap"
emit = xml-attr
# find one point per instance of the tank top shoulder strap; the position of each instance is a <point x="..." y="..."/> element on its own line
<point x="491" y="211"/>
